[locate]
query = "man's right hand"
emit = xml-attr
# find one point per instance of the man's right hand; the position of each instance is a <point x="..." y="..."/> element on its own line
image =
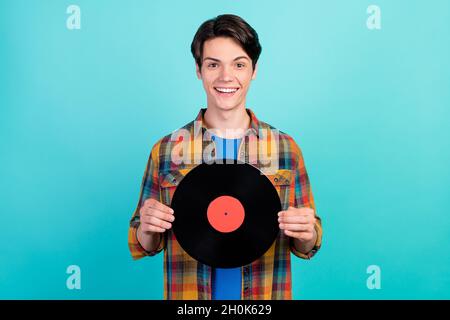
<point x="155" y="216"/>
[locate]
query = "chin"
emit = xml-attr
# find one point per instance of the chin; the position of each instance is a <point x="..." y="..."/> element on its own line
<point x="227" y="107"/>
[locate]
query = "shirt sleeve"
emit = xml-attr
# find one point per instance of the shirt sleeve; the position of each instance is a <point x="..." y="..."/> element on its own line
<point x="304" y="198"/>
<point x="149" y="189"/>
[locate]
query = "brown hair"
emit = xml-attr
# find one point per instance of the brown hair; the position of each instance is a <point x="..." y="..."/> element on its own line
<point x="227" y="25"/>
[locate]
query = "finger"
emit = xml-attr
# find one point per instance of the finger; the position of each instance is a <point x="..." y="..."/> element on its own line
<point x="159" y="214"/>
<point x="150" y="228"/>
<point x="154" y="221"/>
<point x="296" y="219"/>
<point x="284" y="214"/>
<point x="143" y="210"/>
<point x="297" y="235"/>
<point x="152" y="203"/>
<point x="296" y="227"/>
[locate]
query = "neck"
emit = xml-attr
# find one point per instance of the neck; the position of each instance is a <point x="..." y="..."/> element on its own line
<point x="228" y="124"/>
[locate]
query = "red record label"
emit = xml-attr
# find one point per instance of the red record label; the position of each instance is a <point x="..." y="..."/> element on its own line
<point x="225" y="214"/>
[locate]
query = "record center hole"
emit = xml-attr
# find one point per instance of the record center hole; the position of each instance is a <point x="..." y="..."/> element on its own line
<point x="226" y="213"/>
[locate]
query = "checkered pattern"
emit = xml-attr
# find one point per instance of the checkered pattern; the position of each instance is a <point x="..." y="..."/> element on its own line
<point x="174" y="155"/>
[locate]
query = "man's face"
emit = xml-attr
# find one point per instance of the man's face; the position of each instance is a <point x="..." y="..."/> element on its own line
<point x="226" y="73"/>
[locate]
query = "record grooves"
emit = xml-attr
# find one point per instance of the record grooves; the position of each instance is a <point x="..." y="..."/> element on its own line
<point x="225" y="214"/>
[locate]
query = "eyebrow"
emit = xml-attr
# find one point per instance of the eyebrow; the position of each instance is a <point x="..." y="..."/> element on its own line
<point x="217" y="60"/>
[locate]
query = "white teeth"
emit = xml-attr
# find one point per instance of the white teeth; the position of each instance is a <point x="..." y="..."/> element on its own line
<point x="226" y="90"/>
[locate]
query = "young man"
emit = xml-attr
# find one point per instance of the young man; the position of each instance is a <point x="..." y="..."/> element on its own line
<point x="226" y="50"/>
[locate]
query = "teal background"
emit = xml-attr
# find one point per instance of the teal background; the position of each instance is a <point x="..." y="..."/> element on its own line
<point x="80" y="110"/>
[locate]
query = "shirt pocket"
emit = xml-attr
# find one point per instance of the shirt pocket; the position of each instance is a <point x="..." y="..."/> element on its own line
<point x="282" y="180"/>
<point x="168" y="182"/>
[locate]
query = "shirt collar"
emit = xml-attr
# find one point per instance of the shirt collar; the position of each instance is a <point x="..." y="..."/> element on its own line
<point x="253" y="129"/>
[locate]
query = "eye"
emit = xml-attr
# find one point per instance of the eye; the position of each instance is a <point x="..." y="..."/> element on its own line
<point x="240" y="65"/>
<point x="212" y="65"/>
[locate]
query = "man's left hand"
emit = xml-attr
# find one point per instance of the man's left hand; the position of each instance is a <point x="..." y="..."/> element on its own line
<point x="298" y="223"/>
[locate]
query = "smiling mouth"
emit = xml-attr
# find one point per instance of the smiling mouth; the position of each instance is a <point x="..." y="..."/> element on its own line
<point x="225" y="92"/>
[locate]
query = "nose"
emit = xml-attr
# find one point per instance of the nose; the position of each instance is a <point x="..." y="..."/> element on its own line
<point x="226" y="74"/>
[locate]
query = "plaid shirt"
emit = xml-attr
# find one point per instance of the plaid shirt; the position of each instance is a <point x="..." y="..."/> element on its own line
<point x="173" y="156"/>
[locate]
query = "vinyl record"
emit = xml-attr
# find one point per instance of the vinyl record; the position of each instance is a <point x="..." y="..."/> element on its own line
<point x="225" y="214"/>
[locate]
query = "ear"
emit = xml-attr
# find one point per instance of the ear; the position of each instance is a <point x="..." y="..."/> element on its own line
<point x="197" y="70"/>
<point x="255" y="71"/>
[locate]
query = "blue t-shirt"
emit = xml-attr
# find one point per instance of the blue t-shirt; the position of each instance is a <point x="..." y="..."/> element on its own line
<point x="226" y="283"/>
